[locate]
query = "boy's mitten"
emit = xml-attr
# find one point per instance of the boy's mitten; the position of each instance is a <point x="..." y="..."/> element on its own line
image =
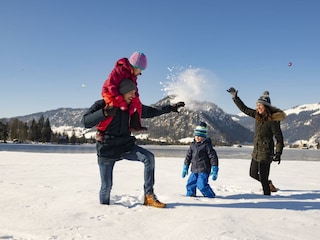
<point x="214" y="172"/>
<point x="185" y="171"/>
<point x="233" y="92"/>
<point x="175" y="107"/>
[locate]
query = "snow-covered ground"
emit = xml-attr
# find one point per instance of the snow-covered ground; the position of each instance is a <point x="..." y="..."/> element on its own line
<point x="47" y="196"/>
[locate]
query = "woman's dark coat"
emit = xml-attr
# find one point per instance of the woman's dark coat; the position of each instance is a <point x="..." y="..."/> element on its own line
<point x="263" y="143"/>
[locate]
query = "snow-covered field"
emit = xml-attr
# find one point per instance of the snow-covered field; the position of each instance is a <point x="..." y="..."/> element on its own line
<point x="55" y="196"/>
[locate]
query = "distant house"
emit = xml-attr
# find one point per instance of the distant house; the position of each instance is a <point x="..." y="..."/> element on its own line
<point x="64" y="139"/>
<point x="16" y="140"/>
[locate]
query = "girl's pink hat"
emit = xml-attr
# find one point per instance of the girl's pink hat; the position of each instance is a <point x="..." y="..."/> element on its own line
<point x="138" y="60"/>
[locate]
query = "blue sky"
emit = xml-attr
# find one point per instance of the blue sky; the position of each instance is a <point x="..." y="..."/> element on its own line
<point x="50" y="48"/>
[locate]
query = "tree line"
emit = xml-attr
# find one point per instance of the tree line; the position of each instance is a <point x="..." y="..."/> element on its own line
<point x="36" y="131"/>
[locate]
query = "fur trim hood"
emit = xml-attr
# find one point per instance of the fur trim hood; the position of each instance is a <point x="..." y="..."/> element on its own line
<point x="277" y="114"/>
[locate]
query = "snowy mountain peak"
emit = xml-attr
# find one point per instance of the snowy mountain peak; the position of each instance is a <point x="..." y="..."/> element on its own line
<point x="314" y="108"/>
<point x="302" y="123"/>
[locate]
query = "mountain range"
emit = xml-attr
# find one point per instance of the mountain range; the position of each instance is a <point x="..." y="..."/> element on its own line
<point x="301" y="125"/>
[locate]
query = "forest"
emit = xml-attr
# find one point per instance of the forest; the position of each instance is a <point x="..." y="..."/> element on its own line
<point x="35" y="131"/>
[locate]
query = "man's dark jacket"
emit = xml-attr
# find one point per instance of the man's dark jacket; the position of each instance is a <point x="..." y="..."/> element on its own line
<point x="117" y="137"/>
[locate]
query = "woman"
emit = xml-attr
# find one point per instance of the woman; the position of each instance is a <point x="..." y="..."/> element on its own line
<point x="267" y="127"/>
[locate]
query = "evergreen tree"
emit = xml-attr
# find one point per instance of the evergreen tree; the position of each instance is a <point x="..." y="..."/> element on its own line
<point x="3" y="132"/>
<point x="24" y="132"/>
<point x="54" y="137"/>
<point x="40" y="132"/>
<point x="14" y="129"/>
<point x="46" y="133"/>
<point x="73" y="138"/>
<point x="33" y="131"/>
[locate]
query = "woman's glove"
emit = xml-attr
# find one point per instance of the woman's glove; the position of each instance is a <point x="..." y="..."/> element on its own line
<point x="214" y="172"/>
<point x="233" y="92"/>
<point x="277" y="157"/>
<point x="175" y="107"/>
<point x="185" y="171"/>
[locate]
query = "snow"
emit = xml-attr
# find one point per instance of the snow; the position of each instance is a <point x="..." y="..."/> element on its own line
<point x="49" y="196"/>
<point x="186" y="140"/>
<point x="70" y="130"/>
<point x="304" y="108"/>
<point x="295" y="110"/>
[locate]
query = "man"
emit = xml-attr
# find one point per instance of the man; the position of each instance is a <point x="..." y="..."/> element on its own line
<point x="116" y="142"/>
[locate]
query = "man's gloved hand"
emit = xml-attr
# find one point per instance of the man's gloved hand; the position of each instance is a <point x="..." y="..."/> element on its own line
<point x="185" y="171"/>
<point x="175" y="107"/>
<point x="214" y="172"/>
<point x="277" y="157"/>
<point x="109" y="111"/>
<point x="233" y="92"/>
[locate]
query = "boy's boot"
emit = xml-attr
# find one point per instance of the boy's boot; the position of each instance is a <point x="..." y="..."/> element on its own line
<point x="272" y="187"/>
<point x="135" y="123"/>
<point x="151" y="200"/>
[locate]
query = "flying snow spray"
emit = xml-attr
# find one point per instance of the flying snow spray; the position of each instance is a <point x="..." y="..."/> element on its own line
<point x="191" y="85"/>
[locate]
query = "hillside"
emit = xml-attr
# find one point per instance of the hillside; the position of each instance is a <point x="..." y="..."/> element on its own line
<point x="302" y="124"/>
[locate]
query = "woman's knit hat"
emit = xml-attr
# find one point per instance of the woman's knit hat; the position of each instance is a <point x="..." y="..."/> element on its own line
<point x="126" y="85"/>
<point x="201" y="130"/>
<point x="138" y="60"/>
<point x="265" y="99"/>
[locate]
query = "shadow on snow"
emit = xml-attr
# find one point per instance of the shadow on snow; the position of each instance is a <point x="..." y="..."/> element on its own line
<point x="309" y="200"/>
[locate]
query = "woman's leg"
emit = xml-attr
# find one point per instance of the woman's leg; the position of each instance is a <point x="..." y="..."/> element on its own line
<point x="254" y="170"/>
<point x="264" y="176"/>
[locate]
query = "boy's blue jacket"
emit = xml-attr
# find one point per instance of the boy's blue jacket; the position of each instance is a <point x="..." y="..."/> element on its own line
<point x="201" y="156"/>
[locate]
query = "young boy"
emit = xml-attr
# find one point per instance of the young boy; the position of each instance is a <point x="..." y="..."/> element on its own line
<point x="124" y="69"/>
<point x="203" y="159"/>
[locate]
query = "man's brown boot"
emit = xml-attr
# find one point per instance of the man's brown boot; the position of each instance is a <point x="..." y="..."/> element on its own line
<point x="151" y="200"/>
<point x="272" y="187"/>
